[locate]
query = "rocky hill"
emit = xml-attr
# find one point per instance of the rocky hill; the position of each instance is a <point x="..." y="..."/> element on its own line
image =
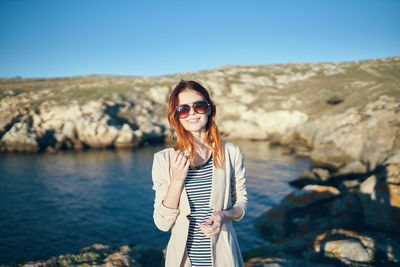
<point x="344" y="116"/>
<point x="255" y="101"/>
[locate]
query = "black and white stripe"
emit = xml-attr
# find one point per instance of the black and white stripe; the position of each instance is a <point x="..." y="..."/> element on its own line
<point x="198" y="184"/>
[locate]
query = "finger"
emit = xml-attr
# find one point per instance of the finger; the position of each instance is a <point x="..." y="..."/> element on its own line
<point x="183" y="161"/>
<point x="203" y="230"/>
<point x="176" y="155"/>
<point x="209" y="221"/>
<point x="179" y="160"/>
<point x="187" y="164"/>
<point x="215" y="231"/>
<point x="215" y="227"/>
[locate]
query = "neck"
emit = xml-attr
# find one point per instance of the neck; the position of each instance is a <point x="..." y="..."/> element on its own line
<point x="200" y="142"/>
<point x="199" y="137"/>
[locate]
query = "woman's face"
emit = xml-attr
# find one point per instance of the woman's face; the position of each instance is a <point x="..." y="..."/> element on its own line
<point x="194" y="122"/>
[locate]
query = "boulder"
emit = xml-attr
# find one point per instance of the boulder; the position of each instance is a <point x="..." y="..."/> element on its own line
<point x="298" y="213"/>
<point x="20" y="138"/>
<point x="308" y="195"/>
<point x="352" y="248"/>
<point x="381" y="205"/>
<point x="352" y="168"/>
<point x="367" y="187"/>
<point x="347" y="246"/>
<point x="379" y="137"/>
<point x="329" y="156"/>
<point x="322" y="174"/>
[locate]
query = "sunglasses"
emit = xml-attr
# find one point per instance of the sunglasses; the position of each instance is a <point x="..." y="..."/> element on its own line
<point x="200" y="107"/>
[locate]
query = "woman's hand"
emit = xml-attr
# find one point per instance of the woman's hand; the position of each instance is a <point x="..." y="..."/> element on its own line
<point x="180" y="165"/>
<point x="213" y="225"/>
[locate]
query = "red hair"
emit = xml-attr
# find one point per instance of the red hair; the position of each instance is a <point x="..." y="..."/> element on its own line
<point x="184" y="139"/>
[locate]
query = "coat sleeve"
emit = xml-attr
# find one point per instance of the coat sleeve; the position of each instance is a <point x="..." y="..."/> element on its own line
<point x="164" y="218"/>
<point x="239" y="192"/>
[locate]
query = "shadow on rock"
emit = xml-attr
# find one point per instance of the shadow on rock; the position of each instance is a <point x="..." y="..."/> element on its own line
<point x="357" y="225"/>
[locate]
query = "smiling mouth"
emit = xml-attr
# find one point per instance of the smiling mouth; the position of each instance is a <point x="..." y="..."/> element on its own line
<point x="194" y="120"/>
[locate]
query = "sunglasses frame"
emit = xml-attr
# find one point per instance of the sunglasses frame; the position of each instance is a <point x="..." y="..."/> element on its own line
<point x="190" y="107"/>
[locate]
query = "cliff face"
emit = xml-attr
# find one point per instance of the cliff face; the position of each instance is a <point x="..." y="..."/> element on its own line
<point x="257" y="102"/>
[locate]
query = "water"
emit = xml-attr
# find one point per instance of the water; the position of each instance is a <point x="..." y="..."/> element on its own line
<point x="53" y="204"/>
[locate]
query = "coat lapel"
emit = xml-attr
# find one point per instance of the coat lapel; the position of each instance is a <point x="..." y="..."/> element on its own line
<point x="217" y="189"/>
<point x="184" y="203"/>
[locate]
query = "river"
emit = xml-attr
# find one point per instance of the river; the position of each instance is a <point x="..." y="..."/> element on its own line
<point x="53" y="204"/>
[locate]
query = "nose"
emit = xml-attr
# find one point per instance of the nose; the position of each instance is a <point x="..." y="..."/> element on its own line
<point x="192" y="112"/>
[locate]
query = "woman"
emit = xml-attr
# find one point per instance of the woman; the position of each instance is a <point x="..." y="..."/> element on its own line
<point x="199" y="184"/>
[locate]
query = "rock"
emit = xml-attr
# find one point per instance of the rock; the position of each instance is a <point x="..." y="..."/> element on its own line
<point x="367" y="136"/>
<point x="349" y="184"/>
<point x="352" y="248"/>
<point x="367" y="187"/>
<point x="126" y="137"/>
<point x="95" y="255"/>
<point x="382" y="206"/>
<point x="393" y="158"/>
<point x="96" y="247"/>
<point x="355" y="167"/>
<point x="38" y="263"/>
<point x="309" y="195"/>
<point x="288" y="138"/>
<point x="257" y="124"/>
<point x="345" y="211"/>
<point x="298" y="213"/>
<point x="95" y="124"/>
<point x="95" y="134"/>
<point x="322" y="174"/>
<point x="347" y="246"/>
<point x="20" y="138"/>
<point x="329" y="156"/>
<point x="393" y="174"/>
<point x="307" y="178"/>
<point x="347" y="250"/>
<point x="379" y="138"/>
<point x="123" y="257"/>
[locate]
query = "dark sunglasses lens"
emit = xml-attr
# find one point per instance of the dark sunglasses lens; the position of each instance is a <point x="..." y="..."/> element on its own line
<point x="200" y="107"/>
<point x="183" y="111"/>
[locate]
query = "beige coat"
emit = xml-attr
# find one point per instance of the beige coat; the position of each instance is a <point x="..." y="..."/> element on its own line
<point x="228" y="190"/>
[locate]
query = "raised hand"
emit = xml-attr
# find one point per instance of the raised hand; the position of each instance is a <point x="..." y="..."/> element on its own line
<point x="179" y="165"/>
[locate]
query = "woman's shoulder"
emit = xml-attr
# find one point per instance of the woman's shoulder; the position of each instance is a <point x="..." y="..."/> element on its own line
<point x="164" y="153"/>
<point x="230" y="147"/>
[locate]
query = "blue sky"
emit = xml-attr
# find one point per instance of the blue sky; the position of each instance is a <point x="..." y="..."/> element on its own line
<point x="67" y="38"/>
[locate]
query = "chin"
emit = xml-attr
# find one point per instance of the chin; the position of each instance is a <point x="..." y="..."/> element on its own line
<point x="195" y="128"/>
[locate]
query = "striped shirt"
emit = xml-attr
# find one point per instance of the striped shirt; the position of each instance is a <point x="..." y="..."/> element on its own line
<point x="198" y="187"/>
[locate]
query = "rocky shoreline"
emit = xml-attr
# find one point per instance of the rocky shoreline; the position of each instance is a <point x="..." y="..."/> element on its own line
<point x="344" y="116"/>
<point x="103" y="255"/>
<point x="346" y="210"/>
